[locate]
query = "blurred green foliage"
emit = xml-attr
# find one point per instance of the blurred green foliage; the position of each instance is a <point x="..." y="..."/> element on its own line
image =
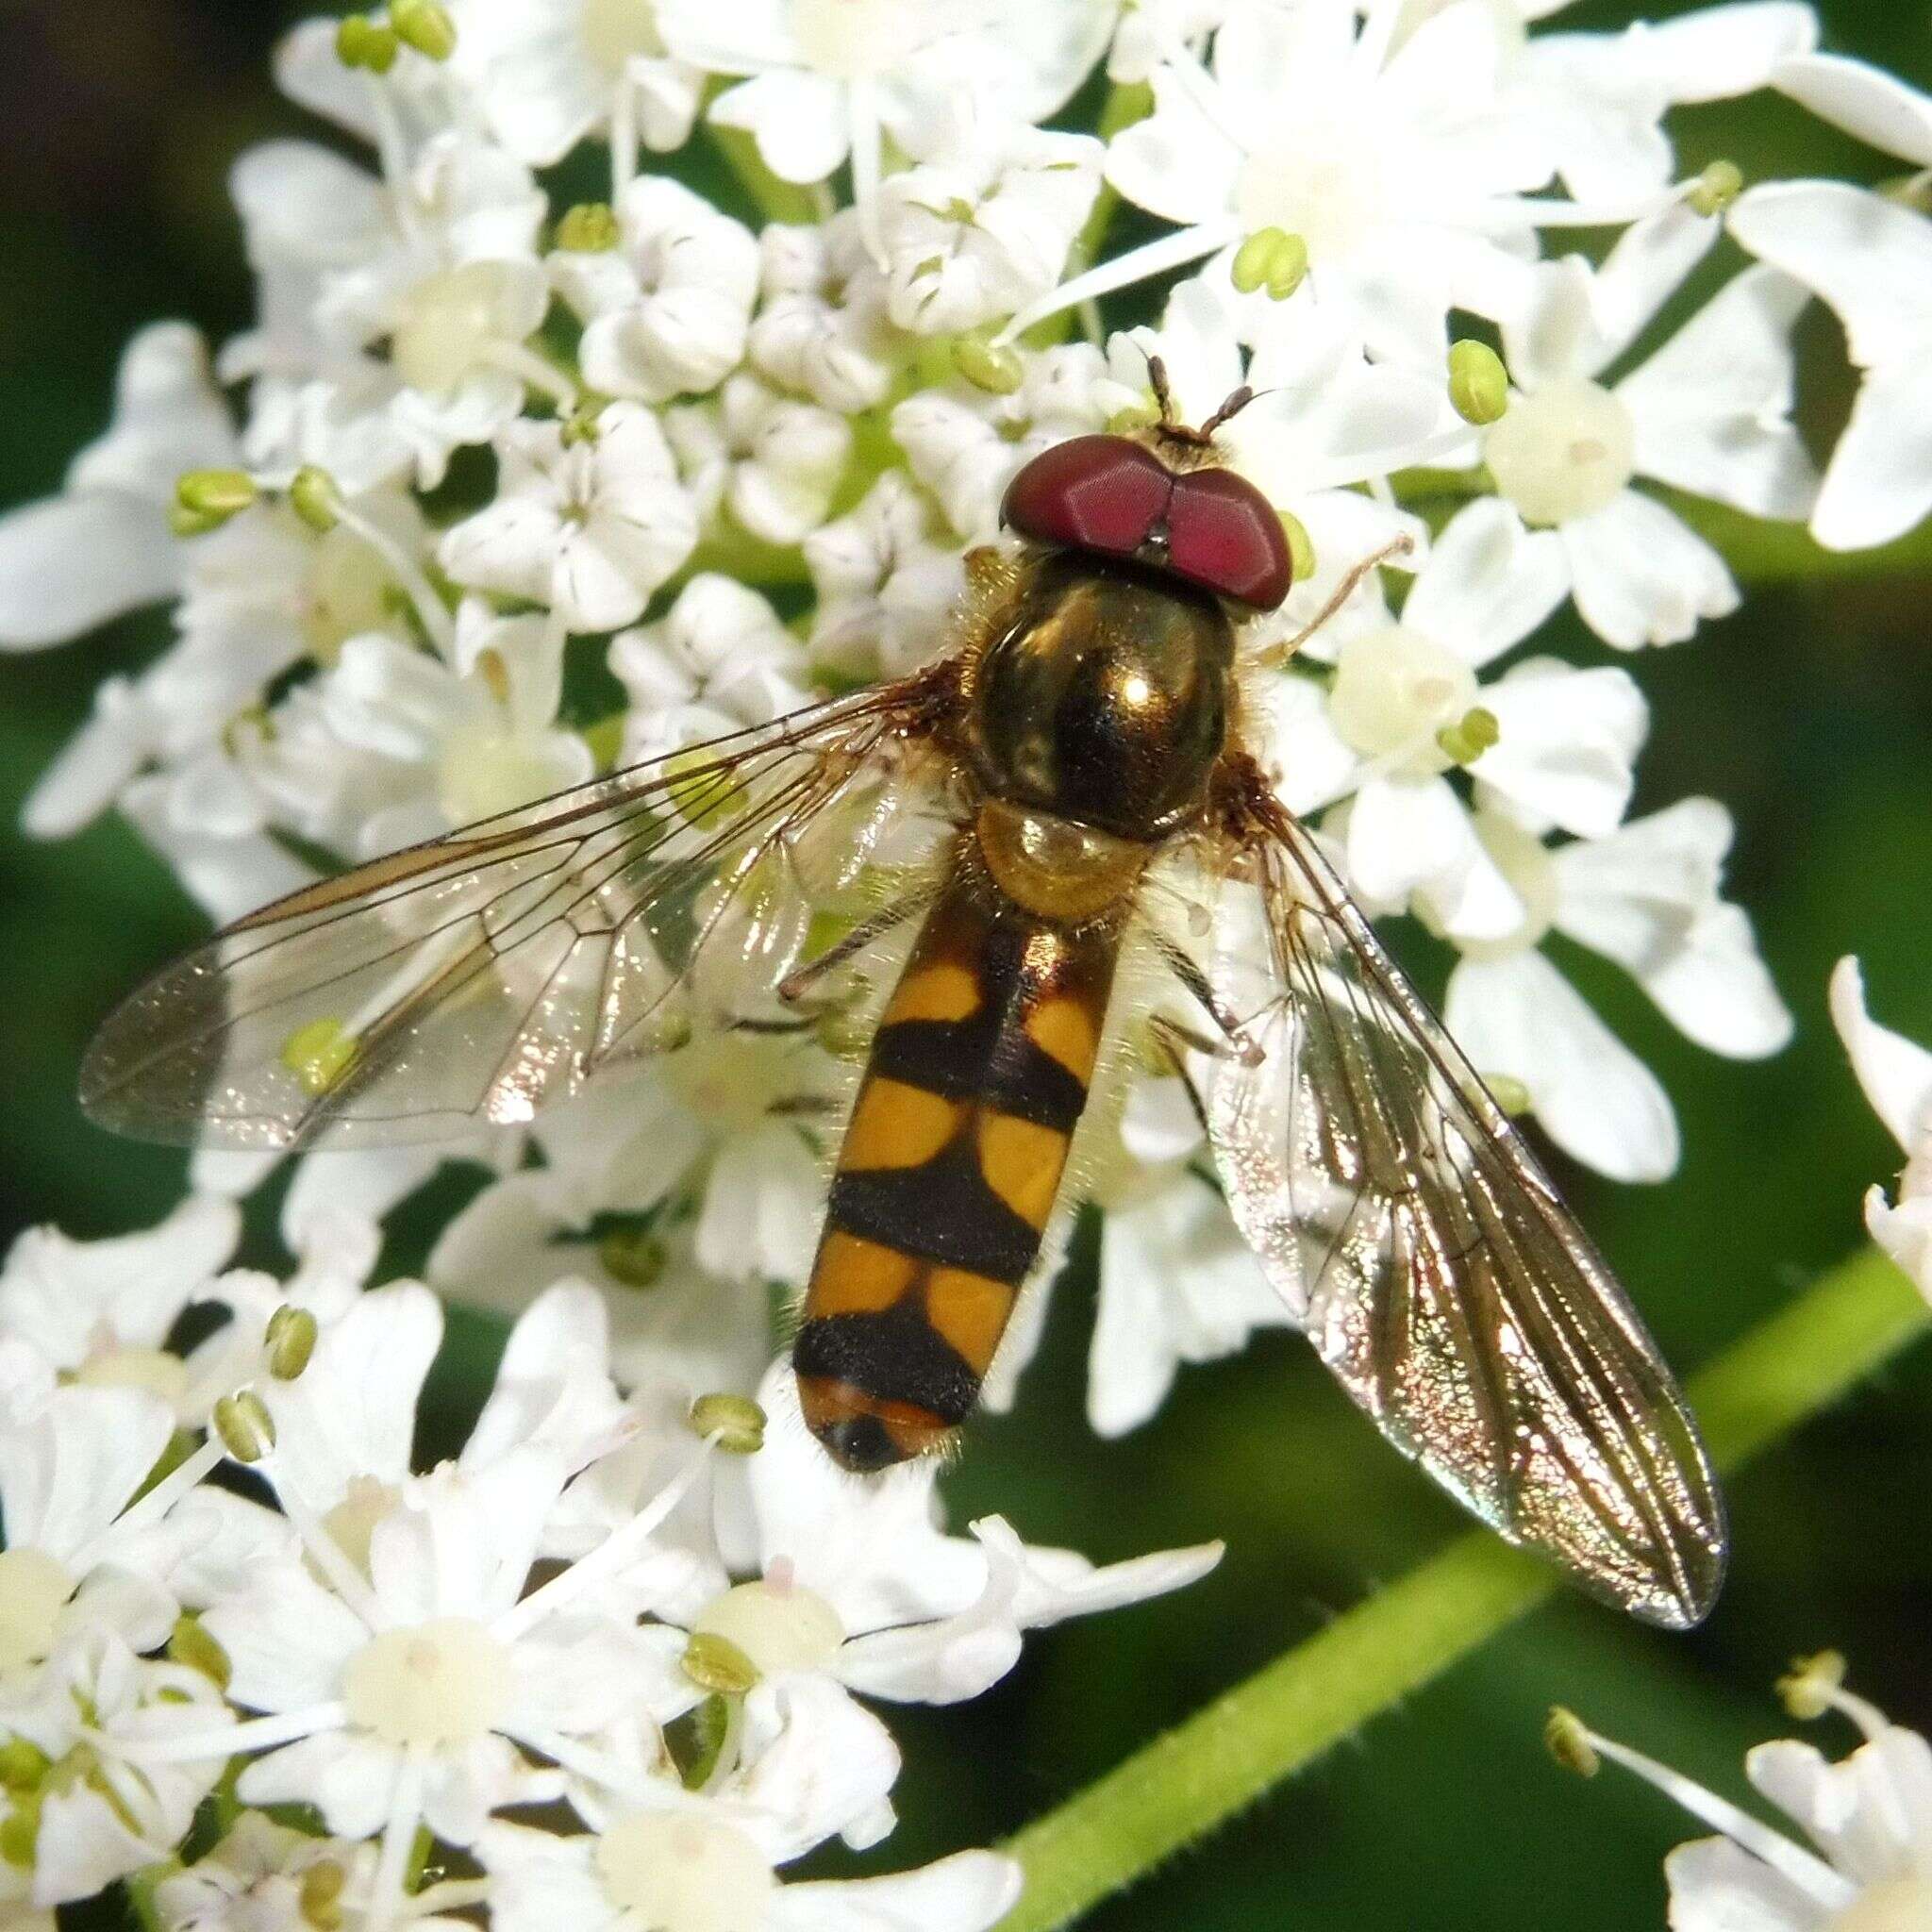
<point x="1809" y="713"/>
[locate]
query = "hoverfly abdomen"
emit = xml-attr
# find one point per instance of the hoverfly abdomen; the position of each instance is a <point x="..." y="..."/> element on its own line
<point x="977" y="1077"/>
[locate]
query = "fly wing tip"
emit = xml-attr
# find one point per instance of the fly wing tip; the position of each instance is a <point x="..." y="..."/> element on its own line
<point x="1684" y="1594"/>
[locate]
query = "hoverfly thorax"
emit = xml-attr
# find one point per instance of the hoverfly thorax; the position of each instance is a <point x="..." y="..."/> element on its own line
<point x="1104" y="697"/>
<point x="1103" y="694"/>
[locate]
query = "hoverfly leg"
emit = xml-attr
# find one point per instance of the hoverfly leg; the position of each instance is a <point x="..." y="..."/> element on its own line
<point x="874" y="927"/>
<point x="1236" y="1041"/>
<point x="1276" y="655"/>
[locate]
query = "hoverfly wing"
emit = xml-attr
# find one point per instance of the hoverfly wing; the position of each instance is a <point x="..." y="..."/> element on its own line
<point x="1437" y="1271"/>
<point x="491" y="972"/>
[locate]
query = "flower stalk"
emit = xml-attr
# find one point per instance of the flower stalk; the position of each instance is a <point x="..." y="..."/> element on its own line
<point x="1262" y="1731"/>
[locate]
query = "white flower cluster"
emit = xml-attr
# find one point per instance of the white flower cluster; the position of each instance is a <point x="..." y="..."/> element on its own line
<point x="1868" y="1817"/>
<point x="227" y="1589"/>
<point x="498" y="494"/>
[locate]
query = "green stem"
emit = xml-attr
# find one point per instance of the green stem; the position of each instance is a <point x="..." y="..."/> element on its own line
<point x="1225" y="1756"/>
<point x="1766" y="553"/>
<point x="775" y="200"/>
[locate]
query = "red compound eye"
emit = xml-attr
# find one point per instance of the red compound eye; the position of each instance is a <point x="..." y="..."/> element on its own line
<point x="1110" y="494"/>
<point x="1223" y="533"/>
<point x="1094" y="493"/>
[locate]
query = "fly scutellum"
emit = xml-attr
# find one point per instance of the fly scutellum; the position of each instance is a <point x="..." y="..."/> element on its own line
<point x="1080" y="756"/>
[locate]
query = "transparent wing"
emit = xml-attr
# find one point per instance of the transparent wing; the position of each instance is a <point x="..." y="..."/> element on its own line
<point x="1436" y="1269"/>
<point x="493" y="971"/>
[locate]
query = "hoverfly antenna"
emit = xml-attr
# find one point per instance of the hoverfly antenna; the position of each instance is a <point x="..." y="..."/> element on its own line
<point x="1171" y="429"/>
<point x="1237" y="400"/>
<point x="1164" y="395"/>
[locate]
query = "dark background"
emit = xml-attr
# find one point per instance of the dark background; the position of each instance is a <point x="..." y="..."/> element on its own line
<point x="1810" y="714"/>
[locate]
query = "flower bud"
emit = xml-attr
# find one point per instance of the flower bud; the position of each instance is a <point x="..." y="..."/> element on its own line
<point x="1301" y="547"/>
<point x="736" y="1421"/>
<point x="1508" y="1092"/>
<point x="425" y="26"/>
<point x="1715" y="187"/>
<point x="312" y="497"/>
<point x="1568" y="1742"/>
<point x="244" y="1424"/>
<point x="1473" y="734"/>
<point x="1478" y="383"/>
<point x="23" y="1765"/>
<point x="987" y="365"/>
<point x="321" y="1894"/>
<point x="715" y="1663"/>
<point x="589" y="228"/>
<point x="214" y="494"/>
<point x="367" y="43"/>
<point x="1812" y="1684"/>
<point x="633" y="1255"/>
<point x="290" y="1341"/>
<point x="318" y="1054"/>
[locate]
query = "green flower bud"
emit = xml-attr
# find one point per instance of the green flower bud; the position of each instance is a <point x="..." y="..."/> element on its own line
<point x="367" y="43"/>
<point x="589" y="228"/>
<point x="1287" y="267"/>
<point x="633" y="1255"/>
<point x="987" y="365"/>
<point x="319" y="1054"/>
<point x="1508" y="1092"/>
<point x="321" y="1894"/>
<point x="1301" y="546"/>
<point x="1715" y="187"/>
<point x="1568" y="1741"/>
<point x="1478" y="383"/>
<point x="18" y="1831"/>
<point x="290" y="1341"/>
<point x="217" y="494"/>
<point x="425" y="26"/>
<point x="715" y="1663"/>
<point x="244" y="1424"/>
<point x="23" y="1765"/>
<point x="580" y="425"/>
<point x="736" y="1421"/>
<point x="313" y="498"/>
<point x="1807" y="1692"/>
<point x="1251" y="259"/>
<point x="184" y="521"/>
<point x="1473" y="734"/>
<point x="1270" y="259"/>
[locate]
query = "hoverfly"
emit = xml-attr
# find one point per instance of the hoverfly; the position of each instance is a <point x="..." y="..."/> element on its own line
<point x="1079" y="748"/>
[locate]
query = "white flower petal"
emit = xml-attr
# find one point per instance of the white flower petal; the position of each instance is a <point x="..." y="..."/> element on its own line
<point x="1868" y="259"/>
<point x="70" y="562"/>
<point x="351" y="1411"/>
<point x="798" y="120"/>
<point x="1717" y="1885"/>
<point x="1567" y="745"/>
<point x="1878" y="484"/>
<point x="1640" y="576"/>
<point x="971" y="1891"/>
<point x="1519" y="1016"/>
<point x="1896" y="1073"/>
<point x="1711" y="409"/>
<point x="1488" y="582"/>
<point x="1881" y="110"/>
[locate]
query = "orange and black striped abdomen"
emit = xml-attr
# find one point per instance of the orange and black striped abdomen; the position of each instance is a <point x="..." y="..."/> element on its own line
<point x="976" y="1080"/>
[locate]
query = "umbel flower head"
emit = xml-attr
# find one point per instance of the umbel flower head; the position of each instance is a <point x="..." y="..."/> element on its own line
<point x="1868" y="1817"/>
<point x="498" y="493"/>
